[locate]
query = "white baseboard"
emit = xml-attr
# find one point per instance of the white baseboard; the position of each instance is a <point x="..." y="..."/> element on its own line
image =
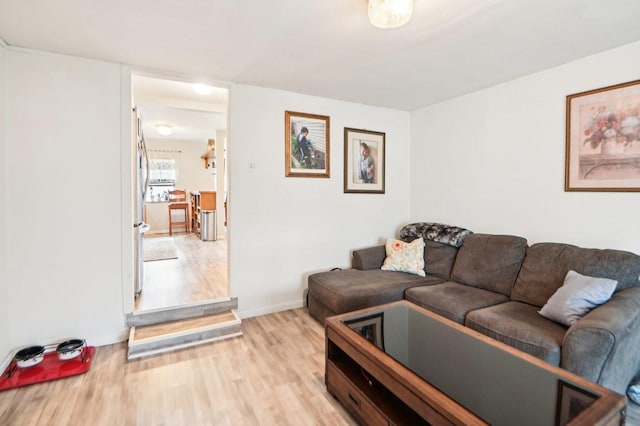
<point x="248" y="313"/>
<point x="7" y="360"/>
<point x="108" y="339"/>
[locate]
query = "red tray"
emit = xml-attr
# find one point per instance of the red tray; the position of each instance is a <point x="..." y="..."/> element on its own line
<point x="50" y="368"/>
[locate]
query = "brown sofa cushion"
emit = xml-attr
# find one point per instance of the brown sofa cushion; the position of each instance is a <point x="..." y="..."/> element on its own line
<point x="491" y="262"/>
<point x="368" y="258"/>
<point x="453" y="300"/>
<point x="319" y="310"/>
<point x="439" y="259"/>
<point x="351" y="289"/>
<point x="546" y="265"/>
<point x="519" y="325"/>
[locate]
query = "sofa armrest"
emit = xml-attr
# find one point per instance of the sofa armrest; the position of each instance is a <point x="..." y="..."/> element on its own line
<point x="603" y="345"/>
<point x="368" y="258"/>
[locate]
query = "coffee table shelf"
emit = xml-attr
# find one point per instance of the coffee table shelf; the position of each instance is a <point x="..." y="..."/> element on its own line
<point x="366" y="398"/>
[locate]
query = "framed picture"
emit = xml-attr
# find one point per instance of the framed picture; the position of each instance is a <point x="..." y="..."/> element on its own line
<point x="364" y="161"/>
<point x="603" y="139"/>
<point x="572" y="401"/>
<point x="306" y="145"/>
<point x="369" y="327"/>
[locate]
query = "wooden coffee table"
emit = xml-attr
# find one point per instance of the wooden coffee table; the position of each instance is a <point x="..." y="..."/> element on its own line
<point x="401" y="364"/>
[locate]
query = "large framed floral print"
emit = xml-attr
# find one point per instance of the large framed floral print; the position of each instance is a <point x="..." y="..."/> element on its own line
<point x="603" y="139"/>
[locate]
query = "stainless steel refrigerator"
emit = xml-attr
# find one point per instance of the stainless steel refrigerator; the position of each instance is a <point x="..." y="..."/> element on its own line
<point x="141" y="186"/>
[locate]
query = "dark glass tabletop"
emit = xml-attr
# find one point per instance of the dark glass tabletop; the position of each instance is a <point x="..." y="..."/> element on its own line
<point x="495" y="384"/>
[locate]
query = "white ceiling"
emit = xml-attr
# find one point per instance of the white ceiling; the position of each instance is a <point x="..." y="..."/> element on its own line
<point x="328" y="48"/>
<point x="193" y="117"/>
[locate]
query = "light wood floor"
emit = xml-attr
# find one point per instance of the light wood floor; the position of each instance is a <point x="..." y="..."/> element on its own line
<point x="273" y="375"/>
<point x="198" y="274"/>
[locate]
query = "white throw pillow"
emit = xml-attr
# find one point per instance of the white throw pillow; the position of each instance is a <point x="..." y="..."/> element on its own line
<point x="578" y="295"/>
<point x="405" y="257"/>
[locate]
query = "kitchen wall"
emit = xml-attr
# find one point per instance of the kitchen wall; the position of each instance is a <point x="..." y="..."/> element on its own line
<point x="5" y="345"/>
<point x="494" y="160"/>
<point x="63" y="203"/>
<point x="282" y="228"/>
<point x="192" y="176"/>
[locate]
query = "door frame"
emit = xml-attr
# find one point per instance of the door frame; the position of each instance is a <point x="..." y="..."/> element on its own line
<point x="128" y="180"/>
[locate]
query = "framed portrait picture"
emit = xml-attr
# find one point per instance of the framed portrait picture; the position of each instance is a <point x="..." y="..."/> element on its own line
<point x="364" y="161"/>
<point x="572" y="401"/>
<point x="603" y="139"/>
<point x="306" y="143"/>
<point x="370" y="327"/>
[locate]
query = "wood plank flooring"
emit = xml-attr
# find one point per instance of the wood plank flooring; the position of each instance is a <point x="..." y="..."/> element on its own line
<point x="198" y="274"/>
<point x="273" y="375"/>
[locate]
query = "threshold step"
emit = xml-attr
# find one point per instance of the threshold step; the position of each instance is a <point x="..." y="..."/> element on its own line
<point x="163" y="315"/>
<point x="159" y="338"/>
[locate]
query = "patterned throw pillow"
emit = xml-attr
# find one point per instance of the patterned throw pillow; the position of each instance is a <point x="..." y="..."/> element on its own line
<point x="405" y="257"/>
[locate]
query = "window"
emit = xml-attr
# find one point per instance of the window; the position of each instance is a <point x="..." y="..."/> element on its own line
<point x="163" y="173"/>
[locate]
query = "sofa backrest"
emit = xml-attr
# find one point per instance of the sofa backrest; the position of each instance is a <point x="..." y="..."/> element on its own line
<point x="488" y="261"/>
<point x="441" y="243"/>
<point x="546" y="265"/>
<point x="439" y="259"/>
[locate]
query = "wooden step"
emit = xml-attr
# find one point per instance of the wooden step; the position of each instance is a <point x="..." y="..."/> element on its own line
<point x="159" y="338"/>
<point x="163" y="315"/>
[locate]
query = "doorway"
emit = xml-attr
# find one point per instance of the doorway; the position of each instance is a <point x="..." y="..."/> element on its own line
<point x="185" y="136"/>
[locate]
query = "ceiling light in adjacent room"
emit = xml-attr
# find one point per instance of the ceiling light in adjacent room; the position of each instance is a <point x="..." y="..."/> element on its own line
<point x="164" y="129"/>
<point x="203" y="89"/>
<point x="390" y="13"/>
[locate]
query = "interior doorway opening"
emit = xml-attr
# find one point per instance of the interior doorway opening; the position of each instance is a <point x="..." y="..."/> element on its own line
<point x="181" y="136"/>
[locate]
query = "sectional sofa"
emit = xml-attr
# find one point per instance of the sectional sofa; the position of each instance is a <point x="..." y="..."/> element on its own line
<point x="497" y="285"/>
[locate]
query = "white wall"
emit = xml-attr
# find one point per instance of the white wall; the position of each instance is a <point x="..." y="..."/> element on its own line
<point x="65" y="273"/>
<point x="283" y="227"/>
<point x="192" y="176"/>
<point x="63" y="203"/>
<point x="493" y="161"/>
<point x="4" y="283"/>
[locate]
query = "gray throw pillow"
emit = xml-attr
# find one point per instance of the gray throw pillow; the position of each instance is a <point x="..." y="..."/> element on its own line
<point x="578" y="295"/>
<point x="634" y="392"/>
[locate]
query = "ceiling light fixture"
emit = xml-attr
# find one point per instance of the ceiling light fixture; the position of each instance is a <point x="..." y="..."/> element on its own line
<point x="390" y="13"/>
<point x="203" y="89"/>
<point x="164" y="129"/>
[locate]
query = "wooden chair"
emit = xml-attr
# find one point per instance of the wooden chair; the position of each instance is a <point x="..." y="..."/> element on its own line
<point x="178" y="201"/>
